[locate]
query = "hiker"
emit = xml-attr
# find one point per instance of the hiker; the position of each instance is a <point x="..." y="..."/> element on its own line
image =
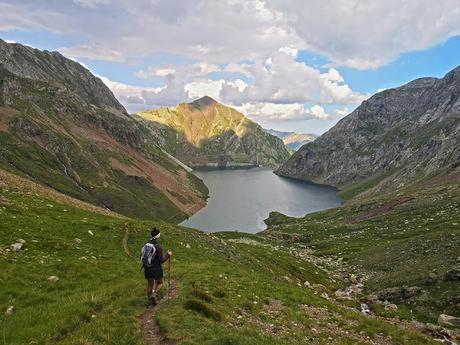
<point x="152" y="257"/>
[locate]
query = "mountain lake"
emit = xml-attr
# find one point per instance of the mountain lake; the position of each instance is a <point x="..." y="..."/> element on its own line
<point x="241" y="199"/>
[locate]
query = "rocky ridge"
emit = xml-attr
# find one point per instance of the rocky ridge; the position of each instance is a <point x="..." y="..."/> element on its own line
<point x="399" y="134"/>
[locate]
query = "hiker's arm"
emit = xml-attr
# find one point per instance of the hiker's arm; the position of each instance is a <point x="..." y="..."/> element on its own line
<point x="163" y="258"/>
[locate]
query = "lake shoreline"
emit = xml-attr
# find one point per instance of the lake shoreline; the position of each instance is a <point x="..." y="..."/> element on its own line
<point x="242" y="199"/>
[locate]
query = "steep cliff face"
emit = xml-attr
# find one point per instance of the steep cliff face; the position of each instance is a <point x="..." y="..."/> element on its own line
<point x="207" y="133"/>
<point x="61" y="126"/>
<point x="407" y="132"/>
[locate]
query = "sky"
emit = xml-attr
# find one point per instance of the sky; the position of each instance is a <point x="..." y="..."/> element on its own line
<point x="297" y="65"/>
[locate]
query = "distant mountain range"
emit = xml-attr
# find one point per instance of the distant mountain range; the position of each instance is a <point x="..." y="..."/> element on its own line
<point x="293" y="140"/>
<point x="401" y="134"/>
<point x="205" y="133"/>
<point x="61" y="126"/>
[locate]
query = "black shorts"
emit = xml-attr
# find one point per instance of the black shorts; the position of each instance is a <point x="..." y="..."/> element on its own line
<point x="153" y="273"/>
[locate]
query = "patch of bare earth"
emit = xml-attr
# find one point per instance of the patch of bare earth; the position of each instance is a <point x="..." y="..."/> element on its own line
<point x="163" y="179"/>
<point x="5" y="114"/>
<point x="150" y="331"/>
<point x="381" y="210"/>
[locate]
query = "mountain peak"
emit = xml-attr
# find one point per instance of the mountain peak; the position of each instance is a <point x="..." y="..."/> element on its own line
<point x="453" y="74"/>
<point x="203" y="102"/>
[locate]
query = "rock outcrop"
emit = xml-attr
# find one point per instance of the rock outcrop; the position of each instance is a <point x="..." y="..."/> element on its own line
<point x="206" y="133"/>
<point x="407" y="132"/>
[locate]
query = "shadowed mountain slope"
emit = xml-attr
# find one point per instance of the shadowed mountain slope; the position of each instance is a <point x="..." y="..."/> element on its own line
<point x="408" y="132"/>
<point x="61" y="126"/>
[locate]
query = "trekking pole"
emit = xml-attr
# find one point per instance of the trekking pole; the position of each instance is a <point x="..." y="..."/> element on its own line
<point x="169" y="277"/>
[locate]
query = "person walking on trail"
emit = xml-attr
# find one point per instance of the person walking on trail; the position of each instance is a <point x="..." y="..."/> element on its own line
<point x="152" y="257"/>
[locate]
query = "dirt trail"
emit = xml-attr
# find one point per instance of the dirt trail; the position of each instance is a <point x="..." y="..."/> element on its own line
<point x="150" y="330"/>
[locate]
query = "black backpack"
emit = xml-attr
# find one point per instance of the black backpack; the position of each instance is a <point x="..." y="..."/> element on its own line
<point x="148" y="254"/>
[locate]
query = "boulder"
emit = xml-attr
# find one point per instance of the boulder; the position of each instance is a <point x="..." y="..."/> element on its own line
<point x="390" y="306"/>
<point x="319" y="287"/>
<point x="453" y="274"/>
<point x="21" y="241"/>
<point x="16" y="247"/>
<point x="398" y="294"/>
<point x="448" y="320"/>
<point x="342" y="295"/>
<point x="365" y="309"/>
<point x="77" y="241"/>
<point x="431" y="279"/>
<point x="53" y="279"/>
<point x="9" y="310"/>
<point x="371" y="298"/>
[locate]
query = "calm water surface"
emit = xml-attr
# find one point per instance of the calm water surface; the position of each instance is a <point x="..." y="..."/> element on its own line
<point x="242" y="199"/>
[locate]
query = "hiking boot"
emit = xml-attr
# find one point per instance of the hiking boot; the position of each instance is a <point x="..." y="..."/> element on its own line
<point x="153" y="300"/>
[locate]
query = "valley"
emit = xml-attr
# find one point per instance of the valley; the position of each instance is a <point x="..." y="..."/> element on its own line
<point x="367" y="253"/>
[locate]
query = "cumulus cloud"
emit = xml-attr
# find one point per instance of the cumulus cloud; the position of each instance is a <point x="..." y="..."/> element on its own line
<point x="355" y="33"/>
<point x="277" y="82"/>
<point x="280" y="112"/>
<point x="242" y="52"/>
<point x="280" y="78"/>
<point x="92" y="53"/>
<point x="183" y="72"/>
<point x="368" y="34"/>
<point x="342" y="112"/>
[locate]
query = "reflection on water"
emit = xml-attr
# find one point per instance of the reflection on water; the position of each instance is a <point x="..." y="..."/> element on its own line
<point x="242" y="199"/>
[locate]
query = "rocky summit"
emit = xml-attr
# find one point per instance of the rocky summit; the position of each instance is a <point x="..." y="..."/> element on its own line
<point x="61" y="126"/>
<point x="398" y="134"/>
<point x="205" y="133"/>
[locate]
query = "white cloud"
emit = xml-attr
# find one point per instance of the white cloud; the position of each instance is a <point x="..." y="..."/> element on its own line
<point x="367" y="34"/>
<point x="280" y="112"/>
<point x="280" y="78"/>
<point x="279" y="86"/>
<point x="90" y="52"/>
<point x="91" y="3"/>
<point x="183" y="72"/>
<point x="209" y="88"/>
<point x="342" y="112"/>
<point x="258" y="41"/>
<point x="129" y="94"/>
<point x="289" y="51"/>
<point x="356" y="33"/>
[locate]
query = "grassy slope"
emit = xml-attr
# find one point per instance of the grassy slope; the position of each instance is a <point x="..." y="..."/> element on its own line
<point x="394" y="243"/>
<point x="246" y="291"/>
<point x="44" y="129"/>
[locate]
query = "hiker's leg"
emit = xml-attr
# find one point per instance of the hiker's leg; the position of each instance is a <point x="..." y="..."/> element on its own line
<point x="158" y="284"/>
<point x="150" y="287"/>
